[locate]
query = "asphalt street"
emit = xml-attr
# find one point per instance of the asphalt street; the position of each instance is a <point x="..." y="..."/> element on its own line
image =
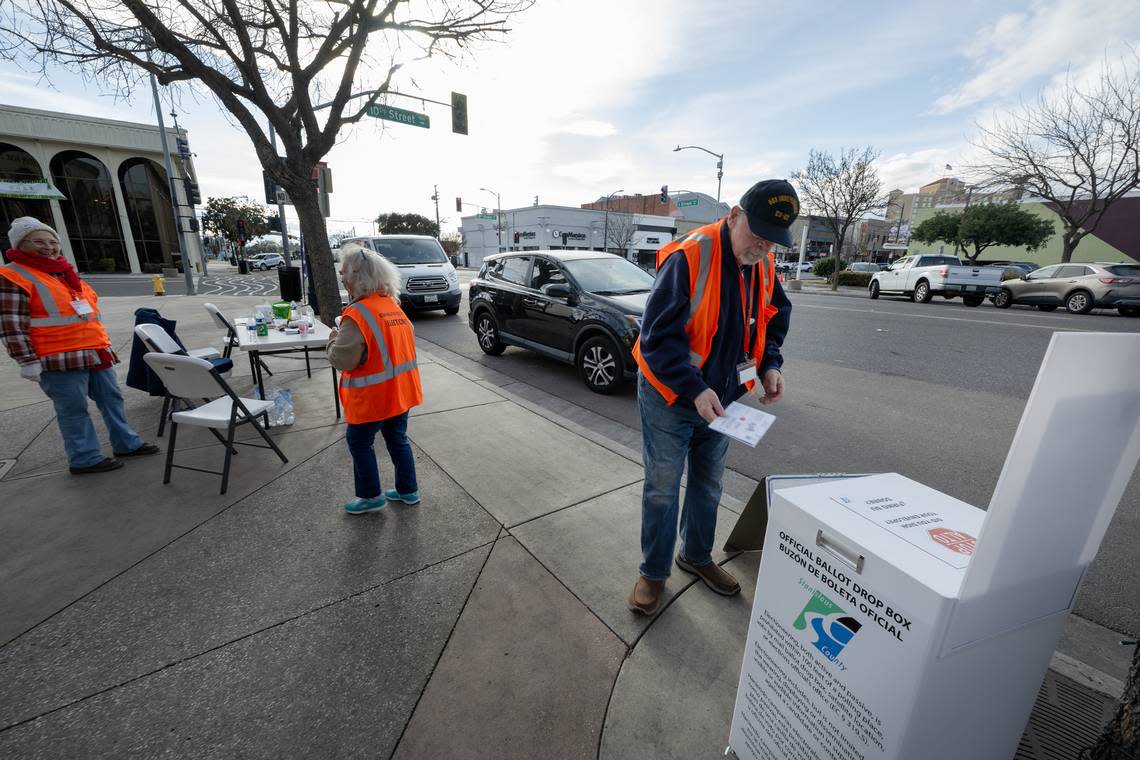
<point x="933" y="391"/>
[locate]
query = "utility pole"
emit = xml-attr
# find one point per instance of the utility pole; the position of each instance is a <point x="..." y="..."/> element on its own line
<point x="187" y="265"/>
<point x="435" y="197"/>
<point x="198" y="235"/>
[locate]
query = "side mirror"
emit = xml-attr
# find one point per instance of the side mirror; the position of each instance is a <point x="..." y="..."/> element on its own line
<point x="558" y="291"/>
<point x="1024" y="277"/>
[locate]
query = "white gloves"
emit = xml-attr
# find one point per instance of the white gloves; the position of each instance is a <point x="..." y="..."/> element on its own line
<point x="31" y="371"/>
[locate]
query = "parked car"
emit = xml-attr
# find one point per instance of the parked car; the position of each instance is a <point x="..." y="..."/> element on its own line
<point x="266" y="261"/>
<point x="427" y="278"/>
<point x="922" y="276"/>
<point x="807" y="266"/>
<point x="785" y="266"/>
<point x="581" y="307"/>
<point x="862" y="266"/>
<point x="1078" y="287"/>
<point x="1025" y="266"/>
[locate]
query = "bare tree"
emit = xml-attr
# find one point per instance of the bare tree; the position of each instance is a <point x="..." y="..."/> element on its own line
<point x="1079" y="149"/>
<point x="620" y="232"/>
<point x="840" y="190"/>
<point x="303" y="68"/>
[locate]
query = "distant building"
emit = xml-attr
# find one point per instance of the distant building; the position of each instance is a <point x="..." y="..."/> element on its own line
<point x="1116" y="238"/>
<point x="100" y="183"/>
<point x="635" y="236"/>
<point x="690" y="209"/>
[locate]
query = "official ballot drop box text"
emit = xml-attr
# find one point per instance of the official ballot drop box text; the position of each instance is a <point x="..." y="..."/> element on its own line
<point x="894" y="621"/>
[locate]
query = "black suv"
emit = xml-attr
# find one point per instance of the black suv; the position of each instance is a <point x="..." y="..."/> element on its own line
<point x="582" y="307"/>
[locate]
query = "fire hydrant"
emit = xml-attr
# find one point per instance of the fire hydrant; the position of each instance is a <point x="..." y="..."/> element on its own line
<point x="159" y="284"/>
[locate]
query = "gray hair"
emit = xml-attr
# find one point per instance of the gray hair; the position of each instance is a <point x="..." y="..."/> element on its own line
<point x="365" y="272"/>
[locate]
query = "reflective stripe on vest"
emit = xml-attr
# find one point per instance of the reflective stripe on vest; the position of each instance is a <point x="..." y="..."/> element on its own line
<point x="703" y="269"/>
<point x="55" y="317"/>
<point x="389" y="371"/>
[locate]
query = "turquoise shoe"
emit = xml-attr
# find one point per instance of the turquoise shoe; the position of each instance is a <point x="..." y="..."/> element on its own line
<point x="361" y="506"/>
<point x="408" y="498"/>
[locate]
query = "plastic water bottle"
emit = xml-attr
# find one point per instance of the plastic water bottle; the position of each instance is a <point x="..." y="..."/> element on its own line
<point x="293" y="310"/>
<point x="286" y="398"/>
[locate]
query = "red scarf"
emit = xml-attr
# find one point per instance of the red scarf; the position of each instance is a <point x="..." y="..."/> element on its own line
<point x="44" y="264"/>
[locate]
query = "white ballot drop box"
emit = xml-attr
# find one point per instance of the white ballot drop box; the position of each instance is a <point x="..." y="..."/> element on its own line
<point x="894" y="621"/>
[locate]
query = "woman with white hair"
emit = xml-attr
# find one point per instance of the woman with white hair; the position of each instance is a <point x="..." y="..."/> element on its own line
<point x="375" y="351"/>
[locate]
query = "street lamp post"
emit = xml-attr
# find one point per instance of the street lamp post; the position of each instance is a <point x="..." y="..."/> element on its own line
<point x="719" y="164"/>
<point x="498" y="215"/>
<point x="606" y="234"/>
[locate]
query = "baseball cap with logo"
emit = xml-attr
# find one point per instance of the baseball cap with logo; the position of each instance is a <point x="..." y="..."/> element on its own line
<point x="771" y="206"/>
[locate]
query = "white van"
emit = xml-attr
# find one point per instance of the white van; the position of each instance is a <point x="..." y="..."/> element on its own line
<point x="427" y="278"/>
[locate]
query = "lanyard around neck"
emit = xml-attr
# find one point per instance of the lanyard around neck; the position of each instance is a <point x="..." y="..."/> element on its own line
<point x="747" y="301"/>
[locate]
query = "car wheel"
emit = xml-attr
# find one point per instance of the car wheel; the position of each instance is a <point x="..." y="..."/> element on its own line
<point x="600" y="365"/>
<point x="1129" y="311"/>
<point x="1046" y="307"/>
<point x="973" y="300"/>
<point x="487" y="331"/>
<point x="922" y="292"/>
<point x="874" y="290"/>
<point x="1079" y="302"/>
<point x="451" y="311"/>
<point x="1004" y="299"/>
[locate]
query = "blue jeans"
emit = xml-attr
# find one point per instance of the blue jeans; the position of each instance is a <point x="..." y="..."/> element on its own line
<point x="671" y="435"/>
<point x="364" y="468"/>
<point x="69" y="392"/>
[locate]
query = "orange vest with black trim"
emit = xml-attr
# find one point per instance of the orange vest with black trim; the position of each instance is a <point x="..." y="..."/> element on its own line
<point x="702" y="249"/>
<point x="54" y="326"/>
<point x="388" y="382"/>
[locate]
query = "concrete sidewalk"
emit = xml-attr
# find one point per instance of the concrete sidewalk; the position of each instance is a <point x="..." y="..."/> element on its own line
<point x="487" y="622"/>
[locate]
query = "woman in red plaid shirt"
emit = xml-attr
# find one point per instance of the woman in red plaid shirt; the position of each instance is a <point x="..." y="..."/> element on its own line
<point x="50" y="324"/>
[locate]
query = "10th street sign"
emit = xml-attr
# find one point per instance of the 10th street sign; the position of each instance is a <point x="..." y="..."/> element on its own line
<point x="391" y="113"/>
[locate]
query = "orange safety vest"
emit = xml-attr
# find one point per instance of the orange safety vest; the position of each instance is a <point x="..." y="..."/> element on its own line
<point x="388" y="382"/>
<point x="702" y="249"/>
<point x="55" y="327"/>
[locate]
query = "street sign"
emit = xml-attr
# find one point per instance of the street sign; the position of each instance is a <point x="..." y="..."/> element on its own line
<point x="391" y="113"/>
<point x="690" y="202"/>
<point x="492" y="217"/>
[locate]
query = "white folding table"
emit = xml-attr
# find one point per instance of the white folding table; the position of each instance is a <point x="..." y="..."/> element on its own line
<point x="277" y="342"/>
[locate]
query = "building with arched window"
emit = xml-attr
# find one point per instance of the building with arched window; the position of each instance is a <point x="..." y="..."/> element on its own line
<point x="101" y="184"/>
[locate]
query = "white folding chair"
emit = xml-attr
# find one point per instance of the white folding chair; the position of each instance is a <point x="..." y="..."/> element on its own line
<point x="159" y="341"/>
<point x="231" y="334"/>
<point x="187" y="377"/>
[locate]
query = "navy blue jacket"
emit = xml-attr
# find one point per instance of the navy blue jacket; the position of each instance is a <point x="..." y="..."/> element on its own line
<point x="665" y="346"/>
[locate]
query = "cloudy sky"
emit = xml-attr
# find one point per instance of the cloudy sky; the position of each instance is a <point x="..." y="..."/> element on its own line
<point x="585" y="97"/>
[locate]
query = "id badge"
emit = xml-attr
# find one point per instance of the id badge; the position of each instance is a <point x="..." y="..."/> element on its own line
<point x="82" y="308"/>
<point x="746" y="371"/>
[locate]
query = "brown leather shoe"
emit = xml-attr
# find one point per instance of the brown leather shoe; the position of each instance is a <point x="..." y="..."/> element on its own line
<point x="714" y="576"/>
<point x="646" y="595"/>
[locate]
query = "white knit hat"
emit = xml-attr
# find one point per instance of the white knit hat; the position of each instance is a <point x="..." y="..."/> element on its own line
<point x="25" y="226"/>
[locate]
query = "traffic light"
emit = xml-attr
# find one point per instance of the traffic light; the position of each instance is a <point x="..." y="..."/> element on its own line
<point x="193" y="197"/>
<point x="274" y="223"/>
<point x="270" y="188"/>
<point x="458" y="113"/>
<point x="665" y="194"/>
<point x="182" y="146"/>
<point x="458" y="204"/>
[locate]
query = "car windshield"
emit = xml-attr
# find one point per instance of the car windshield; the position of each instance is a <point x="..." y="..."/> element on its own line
<point x="409" y="250"/>
<point x="1125" y="270"/>
<point x="609" y="276"/>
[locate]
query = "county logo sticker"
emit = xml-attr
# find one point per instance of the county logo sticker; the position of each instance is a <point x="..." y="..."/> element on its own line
<point x="833" y="627"/>
<point x="954" y="540"/>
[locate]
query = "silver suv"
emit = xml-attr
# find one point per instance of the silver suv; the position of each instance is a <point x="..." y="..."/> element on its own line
<point x="1078" y="287"/>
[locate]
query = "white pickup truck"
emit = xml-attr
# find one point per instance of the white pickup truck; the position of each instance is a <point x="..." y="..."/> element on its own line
<point x="922" y="276"/>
